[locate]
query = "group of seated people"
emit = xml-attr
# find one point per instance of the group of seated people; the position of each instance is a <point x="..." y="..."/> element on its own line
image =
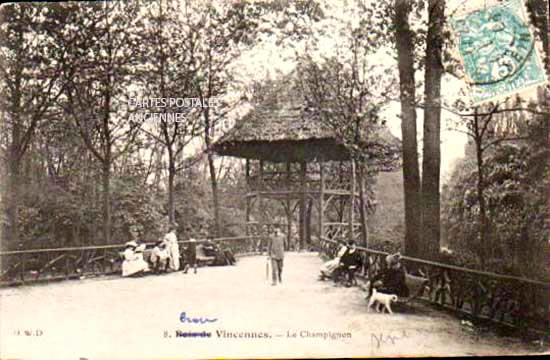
<point x="159" y="259"/>
<point x="166" y="256"/>
<point x="391" y="280"/>
<point x="216" y="255"/>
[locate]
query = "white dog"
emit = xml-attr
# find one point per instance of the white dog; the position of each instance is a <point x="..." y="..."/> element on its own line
<point x="381" y="299"/>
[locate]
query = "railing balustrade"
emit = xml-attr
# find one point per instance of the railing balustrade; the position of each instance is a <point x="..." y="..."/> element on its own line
<point x="42" y="265"/>
<point x="518" y="302"/>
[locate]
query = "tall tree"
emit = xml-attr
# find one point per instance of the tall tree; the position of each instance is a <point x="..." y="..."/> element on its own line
<point x="104" y="67"/>
<point x="431" y="151"/>
<point x="411" y="175"/>
<point x="540" y="17"/>
<point x="31" y="61"/>
<point x="220" y="31"/>
<point x="170" y="76"/>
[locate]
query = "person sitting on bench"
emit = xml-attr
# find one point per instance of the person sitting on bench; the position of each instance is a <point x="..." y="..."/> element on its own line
<point x="351" y="261"/>
<point x="160" y="257"/>
<point x="392" y="280"/>
<point x="133" y="264"/>
<point x="230" y="258"/>
<point x="329" y="267"/>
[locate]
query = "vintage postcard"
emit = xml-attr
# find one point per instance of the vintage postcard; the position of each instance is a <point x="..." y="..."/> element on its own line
<point x="239" y="179"/>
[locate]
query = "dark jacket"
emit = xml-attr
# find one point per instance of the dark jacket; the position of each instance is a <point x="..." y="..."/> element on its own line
<point x="393" y="282"/>
<point x="191" y="252"/>
<point x="351" y="259"/>
<point x="277" y="247"/>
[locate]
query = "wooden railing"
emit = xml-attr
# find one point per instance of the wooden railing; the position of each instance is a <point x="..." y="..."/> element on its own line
<point x="518" y="302"/>
<point x="42" y="265"/>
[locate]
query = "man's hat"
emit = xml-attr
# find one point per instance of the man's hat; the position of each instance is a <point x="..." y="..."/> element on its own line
<point x="393" y="259"/>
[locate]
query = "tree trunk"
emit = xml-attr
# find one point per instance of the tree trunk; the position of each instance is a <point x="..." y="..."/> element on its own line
<point x="480" y="188"/>
<point x="106" y="184"/>
<point x="362" y="203"/>
<point x="411" y="176"/>
<point x="482" y="212"/>
<point x="215" y="199"/>
<point x="431" y="158"/>
<point x="541" y="20"/>
<point x="351" y="199"/>
<point x="171" y="178"/>
<point x="11" y="239"/>
<point x="106" y="173"/>
<point x="213" y="178"/>
<point x="11" y="235"/>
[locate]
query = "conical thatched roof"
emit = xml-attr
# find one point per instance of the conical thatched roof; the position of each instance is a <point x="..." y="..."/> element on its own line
<point x="279" y="129"/>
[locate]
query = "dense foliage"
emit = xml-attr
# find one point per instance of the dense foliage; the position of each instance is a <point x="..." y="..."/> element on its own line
<point x="516" y="191"/>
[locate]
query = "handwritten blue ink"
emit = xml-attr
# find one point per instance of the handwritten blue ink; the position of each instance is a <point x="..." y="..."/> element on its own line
<point x="196" y="320"/>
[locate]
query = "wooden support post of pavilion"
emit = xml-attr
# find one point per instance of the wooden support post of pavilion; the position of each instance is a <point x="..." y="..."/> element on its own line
<point x="288" y="209"/>
<point x="247" y="174"/>
<point x="321" y="200"/>
<point x="261" y="209"/>
<point x="303" y="173"/>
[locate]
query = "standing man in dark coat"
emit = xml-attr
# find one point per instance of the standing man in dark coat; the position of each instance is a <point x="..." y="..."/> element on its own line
<point x="276" y="252"/>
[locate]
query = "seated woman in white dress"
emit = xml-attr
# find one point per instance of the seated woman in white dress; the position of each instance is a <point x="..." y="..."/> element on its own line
<point x="327" y="269"/>
<point x="133" y="259"/>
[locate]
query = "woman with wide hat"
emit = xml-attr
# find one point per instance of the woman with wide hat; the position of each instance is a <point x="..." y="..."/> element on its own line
<point x="133" y="263"/>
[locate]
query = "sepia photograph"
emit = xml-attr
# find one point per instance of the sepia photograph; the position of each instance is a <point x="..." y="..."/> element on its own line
<point x="274" y="179"/>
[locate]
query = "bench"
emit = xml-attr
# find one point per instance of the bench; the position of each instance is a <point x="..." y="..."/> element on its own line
<point x="202" y="258"/>
<point x="416" y="285"/>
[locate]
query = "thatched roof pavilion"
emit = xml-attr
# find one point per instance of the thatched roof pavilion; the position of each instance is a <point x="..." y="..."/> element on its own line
<point x="280" y="129"/>
<point x="285" y="134"/>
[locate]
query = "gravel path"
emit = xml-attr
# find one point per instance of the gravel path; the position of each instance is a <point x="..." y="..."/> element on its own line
<point x="140" y="318"/>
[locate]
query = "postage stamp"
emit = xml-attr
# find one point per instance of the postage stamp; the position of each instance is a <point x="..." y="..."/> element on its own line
<point x="498" y="51"/>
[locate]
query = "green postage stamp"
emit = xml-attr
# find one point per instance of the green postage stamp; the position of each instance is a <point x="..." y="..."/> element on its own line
<point x="498" y="51"/>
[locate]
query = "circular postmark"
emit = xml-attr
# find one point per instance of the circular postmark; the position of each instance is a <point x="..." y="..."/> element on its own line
<point x="495" y="44"/>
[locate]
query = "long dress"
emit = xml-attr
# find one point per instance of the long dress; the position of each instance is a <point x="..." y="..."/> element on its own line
<point x="173" y="250"/>
<point x="133" y="263"/>
<point x="329" y="266"/>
